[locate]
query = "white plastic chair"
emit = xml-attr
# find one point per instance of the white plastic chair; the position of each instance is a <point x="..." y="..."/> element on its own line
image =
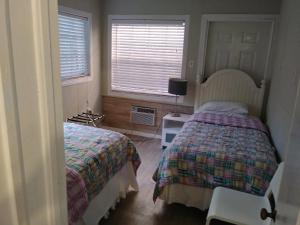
<point x="241" y="208"/>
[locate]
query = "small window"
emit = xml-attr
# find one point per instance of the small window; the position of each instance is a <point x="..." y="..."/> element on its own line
<point x="74" y="43"/>
<point x="145" y="53"/>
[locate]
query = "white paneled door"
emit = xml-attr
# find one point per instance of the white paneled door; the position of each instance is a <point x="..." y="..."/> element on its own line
<point x="238" y="45"/>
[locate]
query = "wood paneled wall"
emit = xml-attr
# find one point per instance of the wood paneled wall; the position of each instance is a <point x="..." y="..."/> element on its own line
<point x="117" y="113"/>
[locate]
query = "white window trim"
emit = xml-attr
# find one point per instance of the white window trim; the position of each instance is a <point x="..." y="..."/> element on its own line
<point x="145" y="96"/>
<point x="89" y="77"/>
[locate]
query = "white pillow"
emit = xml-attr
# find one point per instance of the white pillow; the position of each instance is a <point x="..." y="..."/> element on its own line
<point x="226" y="107"/>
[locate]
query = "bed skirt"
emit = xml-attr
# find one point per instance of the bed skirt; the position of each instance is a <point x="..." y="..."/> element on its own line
<point x="188" y="195"/>
<point x="115" y="189"/>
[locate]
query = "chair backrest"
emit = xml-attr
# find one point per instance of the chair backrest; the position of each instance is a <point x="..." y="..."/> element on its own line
<point x="274" y="186"/>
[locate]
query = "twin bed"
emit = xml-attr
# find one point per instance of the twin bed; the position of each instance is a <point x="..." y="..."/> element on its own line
<point x="101" y="165"/>
<point x="221" y="145"/>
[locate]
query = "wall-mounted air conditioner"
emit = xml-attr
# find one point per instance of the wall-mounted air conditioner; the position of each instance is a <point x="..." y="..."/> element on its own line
<point x="142" y="115"/>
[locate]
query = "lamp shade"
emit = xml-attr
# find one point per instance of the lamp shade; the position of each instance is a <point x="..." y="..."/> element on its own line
<point x="177" y="86"/>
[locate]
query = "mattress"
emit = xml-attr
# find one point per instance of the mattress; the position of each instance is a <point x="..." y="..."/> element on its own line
<point x="217" y="150"/>
<point x="93" y="156"/>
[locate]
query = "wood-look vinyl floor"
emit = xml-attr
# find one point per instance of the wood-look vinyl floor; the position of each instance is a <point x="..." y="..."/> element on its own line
<point x="138" y="208"/>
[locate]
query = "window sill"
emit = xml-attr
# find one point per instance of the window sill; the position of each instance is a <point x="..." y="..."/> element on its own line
<point x="146" y="97"/>
<point x="77" y="80"/>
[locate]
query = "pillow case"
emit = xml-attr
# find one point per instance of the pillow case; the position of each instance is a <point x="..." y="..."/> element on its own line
<point x="225" y="107"/>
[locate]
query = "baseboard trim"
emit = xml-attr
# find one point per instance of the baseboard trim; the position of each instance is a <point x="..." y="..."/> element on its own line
<point x="132" y="132"/>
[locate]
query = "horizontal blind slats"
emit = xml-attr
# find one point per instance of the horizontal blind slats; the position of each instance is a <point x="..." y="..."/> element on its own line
<point x="156" y="69"/>
<point x="74" y="45"/>
<point x="146" y="55"/>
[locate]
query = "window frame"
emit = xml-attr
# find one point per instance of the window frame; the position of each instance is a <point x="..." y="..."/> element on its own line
<point x="89" y="76"/>
<point x="146" y="96"/>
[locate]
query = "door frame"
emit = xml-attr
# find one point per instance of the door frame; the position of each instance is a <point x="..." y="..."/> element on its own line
<point x="209" y="18"/>
<point x="33" y="179"/>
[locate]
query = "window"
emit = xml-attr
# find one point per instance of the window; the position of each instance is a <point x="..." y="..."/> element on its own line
<point x="74" y="43"/>
<point x="145" y="53"/>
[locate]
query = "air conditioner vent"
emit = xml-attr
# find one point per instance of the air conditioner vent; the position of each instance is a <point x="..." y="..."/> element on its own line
<point x="142" y="115"/>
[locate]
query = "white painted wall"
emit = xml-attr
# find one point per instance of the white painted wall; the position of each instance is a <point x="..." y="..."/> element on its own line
<point x="286" y="74"/>
<point x="75" y="97"/>
<point x="283" y="114"/>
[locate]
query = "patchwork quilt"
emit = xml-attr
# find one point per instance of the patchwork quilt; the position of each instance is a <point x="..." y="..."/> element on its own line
<point x="93" y="156"/>
<point x="219" y="150"/>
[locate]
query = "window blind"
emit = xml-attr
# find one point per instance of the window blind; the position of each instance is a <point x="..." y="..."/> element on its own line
<point x="74" y="45"/>
<point x="145" y="54"/>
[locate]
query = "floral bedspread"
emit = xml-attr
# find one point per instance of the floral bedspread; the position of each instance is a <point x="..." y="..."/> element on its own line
<point x="93" y="156"/>
<point x="218" y="150"/>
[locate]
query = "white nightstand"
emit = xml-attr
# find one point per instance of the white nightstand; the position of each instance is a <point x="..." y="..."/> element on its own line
<point x="171" y="126"/>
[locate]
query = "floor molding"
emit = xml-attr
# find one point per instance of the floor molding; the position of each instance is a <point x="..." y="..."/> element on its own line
<point x="132" y="132"/>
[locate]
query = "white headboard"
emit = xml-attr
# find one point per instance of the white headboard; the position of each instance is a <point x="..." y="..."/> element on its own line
<point x="231" y="85"/>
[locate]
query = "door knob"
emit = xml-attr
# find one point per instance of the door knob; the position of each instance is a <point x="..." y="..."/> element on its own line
<point x="264" y="214"/>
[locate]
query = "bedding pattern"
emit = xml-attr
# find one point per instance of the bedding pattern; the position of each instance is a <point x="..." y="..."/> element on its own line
<point x="219" y="150"/>
<point x="92" y="156"/>
<point x="77" y="196"/>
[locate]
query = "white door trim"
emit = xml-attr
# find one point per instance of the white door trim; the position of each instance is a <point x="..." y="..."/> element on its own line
<point x="33" y="185"/>
<point x="205" y="23"/>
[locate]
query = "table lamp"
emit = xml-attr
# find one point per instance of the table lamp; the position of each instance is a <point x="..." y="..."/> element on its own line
<point x="177" y="87"/>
